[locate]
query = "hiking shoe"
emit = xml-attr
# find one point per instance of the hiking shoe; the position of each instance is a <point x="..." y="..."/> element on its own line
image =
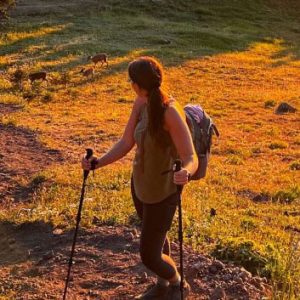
<point x="157" y="292"/>
<point x="174" y="291"/>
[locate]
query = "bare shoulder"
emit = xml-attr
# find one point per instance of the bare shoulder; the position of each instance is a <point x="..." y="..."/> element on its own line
<point x="174" y="109"/>
<point x="174" y="113"/>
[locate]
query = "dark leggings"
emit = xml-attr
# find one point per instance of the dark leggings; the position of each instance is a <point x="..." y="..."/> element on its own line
<point x="155" y="245"/>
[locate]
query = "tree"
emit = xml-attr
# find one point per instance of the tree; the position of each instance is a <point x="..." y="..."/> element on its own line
<point x="5" y="5"/>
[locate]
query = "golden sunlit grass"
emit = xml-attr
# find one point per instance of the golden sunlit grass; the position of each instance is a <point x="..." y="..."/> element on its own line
<point x="257" y="153"/>
<point x="13" y="37"/>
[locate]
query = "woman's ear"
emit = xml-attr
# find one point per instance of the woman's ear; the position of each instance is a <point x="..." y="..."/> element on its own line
<point x="135" y="87"/>
<point x="139" y="91"/>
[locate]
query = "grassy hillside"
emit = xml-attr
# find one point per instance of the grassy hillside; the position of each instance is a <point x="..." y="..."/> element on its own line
<point x="238" y="59"/>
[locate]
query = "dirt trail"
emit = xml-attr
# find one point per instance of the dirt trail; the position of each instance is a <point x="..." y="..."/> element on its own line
<point x="34" y="256"/>
<point x="21" y="156"/>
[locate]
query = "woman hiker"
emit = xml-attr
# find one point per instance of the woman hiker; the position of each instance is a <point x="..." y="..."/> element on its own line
<point x="157" y="125"/>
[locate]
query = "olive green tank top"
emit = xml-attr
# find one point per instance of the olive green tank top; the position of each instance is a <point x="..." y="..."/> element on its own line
<point x="150" y="161"/>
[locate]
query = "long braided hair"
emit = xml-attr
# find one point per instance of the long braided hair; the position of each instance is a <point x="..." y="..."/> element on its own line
<point x="147" y="72"/>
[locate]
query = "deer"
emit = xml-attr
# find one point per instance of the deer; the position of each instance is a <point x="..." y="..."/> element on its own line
<point x="100" y="57"/>
<point x="37" y="76"/>
<point x="87" y="72"/>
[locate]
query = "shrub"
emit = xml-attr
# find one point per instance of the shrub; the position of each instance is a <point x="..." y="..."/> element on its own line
<point x="248" y="224"/>
<point x="18" y="76"/>
<point x="245" y="253"/>
<point x="278" y="145"/>
<point x="287" y="196"/>
<point x="47" y="97"/>
<point x="5" y="5"/>
<point x="295" y="166"/>
<point x="38" y="179"/>
<point x="270" y="103"/>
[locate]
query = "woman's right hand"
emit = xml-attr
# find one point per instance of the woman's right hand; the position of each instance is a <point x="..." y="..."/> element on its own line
<point x="86" y="164"/>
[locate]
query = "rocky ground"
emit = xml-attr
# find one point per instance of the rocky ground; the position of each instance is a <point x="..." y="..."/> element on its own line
<point x="34" y="259"/>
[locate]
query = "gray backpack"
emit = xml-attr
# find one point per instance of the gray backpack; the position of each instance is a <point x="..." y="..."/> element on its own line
<point x="202" y="129"/>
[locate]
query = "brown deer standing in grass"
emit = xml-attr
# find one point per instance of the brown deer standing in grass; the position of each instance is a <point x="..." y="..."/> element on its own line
<point x="87" y="72"/>
<point x="37" y="76"/>
<point x="101" y="57"/>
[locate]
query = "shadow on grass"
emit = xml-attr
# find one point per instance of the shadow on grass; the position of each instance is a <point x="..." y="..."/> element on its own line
<point x="174" y="31"/>
<point x="29" y="157"/>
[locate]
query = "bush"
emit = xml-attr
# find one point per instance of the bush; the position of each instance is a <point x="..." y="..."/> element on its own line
<point x="47" y="97"/>
<point x="278" y="145"/>
<point x="295" y="166"/>
<point x="287" y="196"/>
<point x="270" y="103"/>
<point x="244" y="253"/>
<point x="5" y="5"/>
<point x="248" y="224"/>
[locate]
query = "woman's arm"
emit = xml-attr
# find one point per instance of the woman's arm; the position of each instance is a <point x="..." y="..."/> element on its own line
<point x="180" y="134"/>
<point x="125" y="144"/>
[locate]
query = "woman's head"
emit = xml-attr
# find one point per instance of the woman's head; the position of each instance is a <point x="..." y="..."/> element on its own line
<point x="146" y="72"/>
<point x="146" y="75"/>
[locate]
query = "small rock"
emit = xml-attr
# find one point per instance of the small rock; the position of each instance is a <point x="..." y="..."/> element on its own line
<point x="57" y="231"/>
<point x="29" y="253"/>
<point x="129" y="236"/>
<point x="239" y="280"/>
<point x="262" y="287"/>
<point x="213" y="269"/>
<point x="135" y="232"/>
<point x="264" y="279"/>
<point x="166" y="42"/>
<point x="216" y="266"/>
<point x="285" y="108"/>
<point x="96" y="221"/>
<point x="80" y="260"/>
<point x="48" y="255"/>
<point x="144" y="277"/>
<point x="93" y="293"/>
<point x="218" y="294"/>
<point x="198" y="266"/>
<point x="227" y="277"/>
<point x="256" y="281"/>
<point x="245" y="274"/>
<point x="37" y="248"/>
<point x="242" y="289"/>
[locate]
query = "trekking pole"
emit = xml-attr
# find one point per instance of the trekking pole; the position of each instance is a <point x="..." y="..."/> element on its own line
<point x="178" y="164"/>
<point x="89" y="154"/>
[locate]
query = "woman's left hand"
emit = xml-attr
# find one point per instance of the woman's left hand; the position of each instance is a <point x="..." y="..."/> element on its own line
<point x="181" y="177"/>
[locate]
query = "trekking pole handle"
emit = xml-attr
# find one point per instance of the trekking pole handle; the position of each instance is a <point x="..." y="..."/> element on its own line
<point x="89" y="154"/>
<point x="178" y="165"/>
